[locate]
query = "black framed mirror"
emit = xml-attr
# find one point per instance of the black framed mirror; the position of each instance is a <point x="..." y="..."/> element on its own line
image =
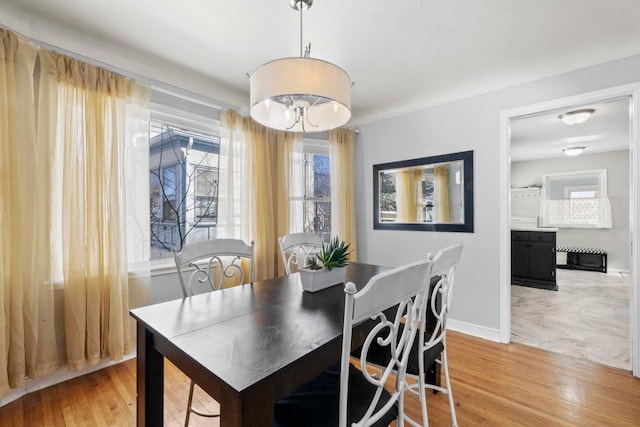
<point x="426" y="194"/>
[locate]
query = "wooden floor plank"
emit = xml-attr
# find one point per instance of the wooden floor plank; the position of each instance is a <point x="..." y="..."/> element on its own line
<point x="493" y="384"/>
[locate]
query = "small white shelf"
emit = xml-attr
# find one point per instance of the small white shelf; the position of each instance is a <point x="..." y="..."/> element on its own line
<point x="525" y="192"/>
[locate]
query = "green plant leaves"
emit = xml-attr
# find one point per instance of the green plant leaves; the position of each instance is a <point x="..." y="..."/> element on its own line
<point x="335" y="254"/>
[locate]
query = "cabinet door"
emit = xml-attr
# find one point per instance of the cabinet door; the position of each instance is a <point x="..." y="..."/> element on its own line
<point x="519" y="258"/>
<point x="542" y="263"/>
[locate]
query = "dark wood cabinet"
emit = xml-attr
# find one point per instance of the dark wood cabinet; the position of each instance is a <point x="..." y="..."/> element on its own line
<point x="533" y="259"/>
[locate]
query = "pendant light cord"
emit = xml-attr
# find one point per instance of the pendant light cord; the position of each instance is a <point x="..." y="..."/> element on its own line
<point x="301" y="30"/>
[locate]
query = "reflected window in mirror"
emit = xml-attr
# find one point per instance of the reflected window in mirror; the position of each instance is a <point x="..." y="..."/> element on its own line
<point x="428" y="194"/>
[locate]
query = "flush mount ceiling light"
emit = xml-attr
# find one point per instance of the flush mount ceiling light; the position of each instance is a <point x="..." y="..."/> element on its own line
<point x="573" y="151"/>
<point x="300" y="94"/>
<point x="577" y="117"/>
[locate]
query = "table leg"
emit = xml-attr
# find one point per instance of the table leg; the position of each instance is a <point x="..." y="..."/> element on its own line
<point x="150" y="381"/>
<point x="255" y="410"/>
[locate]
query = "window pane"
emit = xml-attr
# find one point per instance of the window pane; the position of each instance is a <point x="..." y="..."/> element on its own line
<point x="169" y="182"/>
<point x="321" y="180"/>
<point x="318" y="218"/>
<point x="206" y="208"/>
<point x="168" y="188"/>
<point x="155" y="196"/>
<point x="206" y="182"/>
<point x="583" y="195"/>
<point x="183" y="187"/>
<point x="311" y="195"/>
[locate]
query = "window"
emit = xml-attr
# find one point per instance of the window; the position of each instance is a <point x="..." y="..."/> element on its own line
<point x="311" y="190"/>
<point x="575" y="200"/>
<point x="168" y="192"/>
<point x="206" y="194"/>
<point x="183" y="186"/>
<point x="185" y="170"/>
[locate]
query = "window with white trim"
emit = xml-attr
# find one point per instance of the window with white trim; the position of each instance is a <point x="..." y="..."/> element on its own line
<point x="575" y="200"/>
<point x="183" y="183"/>
<point x="310" y="194"/>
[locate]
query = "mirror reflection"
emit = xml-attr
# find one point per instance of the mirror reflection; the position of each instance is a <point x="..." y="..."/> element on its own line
<point x="431" y="193"/>
<point x="425" y="194"/>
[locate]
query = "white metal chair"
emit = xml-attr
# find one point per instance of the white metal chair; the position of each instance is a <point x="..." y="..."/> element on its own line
<point x="203" y="258"/>
<point x="209" y="263"/>
<point x="348" y="396"/>
<point x="432" y="343"/>
<point x="295" y="248"/>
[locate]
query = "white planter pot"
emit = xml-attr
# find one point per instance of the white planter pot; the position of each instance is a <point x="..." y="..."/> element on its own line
<point x="316" y="280"/>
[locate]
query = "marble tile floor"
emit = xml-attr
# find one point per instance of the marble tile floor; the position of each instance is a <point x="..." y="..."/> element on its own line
<point x="588" y="317"/>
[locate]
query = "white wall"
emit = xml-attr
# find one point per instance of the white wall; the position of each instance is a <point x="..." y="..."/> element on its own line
<point x="142" y="66"/>
<point x="468" y="124"/>
<point x="614" y="240"/>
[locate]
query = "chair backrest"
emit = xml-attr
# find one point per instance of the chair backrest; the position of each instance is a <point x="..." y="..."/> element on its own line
<point x="296" y="247"/>
<point x="445" y="264"/>
<point x="197" y="263"/>
<point x="405" y="287"/>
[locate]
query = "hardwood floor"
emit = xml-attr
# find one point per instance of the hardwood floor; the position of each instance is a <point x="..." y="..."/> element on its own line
<point x="493" y="385"/>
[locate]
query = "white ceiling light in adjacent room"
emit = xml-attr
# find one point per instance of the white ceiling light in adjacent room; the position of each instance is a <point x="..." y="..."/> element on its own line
<point x="301" y="94"/>
<point x="576" y="117"/>
<point x="573" y="151"/>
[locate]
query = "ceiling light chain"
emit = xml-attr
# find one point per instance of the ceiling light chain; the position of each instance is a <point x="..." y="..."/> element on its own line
<point x="299" y="6"/>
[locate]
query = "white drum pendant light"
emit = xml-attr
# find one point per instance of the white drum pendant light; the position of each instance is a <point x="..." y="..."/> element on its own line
<point x="300" y="94"/>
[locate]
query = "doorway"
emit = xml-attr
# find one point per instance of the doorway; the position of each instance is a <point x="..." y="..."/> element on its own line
<point x="632" y="94"/>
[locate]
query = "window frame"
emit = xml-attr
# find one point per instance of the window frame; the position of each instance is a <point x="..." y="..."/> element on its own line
<point x="205" y="219"/>
<point x="600" y="189"/>
<point x="313" y="147"/>
<point x="182" y="116"/>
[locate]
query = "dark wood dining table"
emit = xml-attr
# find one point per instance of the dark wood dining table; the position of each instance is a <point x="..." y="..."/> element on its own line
<point x="246" y="346"/>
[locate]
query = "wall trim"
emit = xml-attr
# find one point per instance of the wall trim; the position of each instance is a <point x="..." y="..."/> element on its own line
<point x="633" y="92"/>
<point x="474" y="330"/>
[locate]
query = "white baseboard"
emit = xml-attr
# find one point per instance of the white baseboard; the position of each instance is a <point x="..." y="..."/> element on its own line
<point x="616" y="271"/>
<point x="59" y="376"/>
<point x="474" y="330"/>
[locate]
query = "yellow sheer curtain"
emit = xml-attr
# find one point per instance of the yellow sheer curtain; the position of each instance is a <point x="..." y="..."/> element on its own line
<point x="270" y="160"/>
<point x="343" y="224"/>
<point x="282" y="152"/>
<point x="408" y="192"/>
<point x="254" y="179"/>
<point x="262" y="224"/>
<point x="441" y="194"/>
<point x="21" y="279"/>
<point x="89" y="106"/>
<point x="233" y="185"/>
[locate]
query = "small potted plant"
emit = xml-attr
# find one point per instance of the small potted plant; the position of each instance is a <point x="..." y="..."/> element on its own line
<point x="327" y="267"/>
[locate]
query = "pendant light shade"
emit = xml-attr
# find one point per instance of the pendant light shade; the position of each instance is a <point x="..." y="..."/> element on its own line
<point x="301" y="94"/>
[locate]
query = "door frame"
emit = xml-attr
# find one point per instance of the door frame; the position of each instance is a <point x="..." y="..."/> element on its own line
<point x="633" y="92"/>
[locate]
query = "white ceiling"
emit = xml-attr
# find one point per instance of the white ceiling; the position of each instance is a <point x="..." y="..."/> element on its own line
<point x="544" y="135"/>
<point x="402" y="54"/>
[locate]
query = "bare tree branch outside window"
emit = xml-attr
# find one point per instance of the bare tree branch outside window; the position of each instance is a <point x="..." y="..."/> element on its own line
<point x="183" y="187"/>
<point x="314" y="203"/>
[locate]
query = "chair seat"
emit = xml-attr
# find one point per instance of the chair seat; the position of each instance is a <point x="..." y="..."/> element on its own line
<point x="316" y="404"/>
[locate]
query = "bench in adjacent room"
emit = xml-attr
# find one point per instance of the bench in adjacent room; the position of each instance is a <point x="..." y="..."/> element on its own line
<point x="590" y="259"/>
